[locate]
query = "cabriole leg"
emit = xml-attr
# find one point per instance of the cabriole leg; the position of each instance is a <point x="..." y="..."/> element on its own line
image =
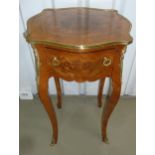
<point x="100" y="91"/>
<point x="58" y="88"/>
<point x="109" y="107"/>
<point x="45" y="99"/>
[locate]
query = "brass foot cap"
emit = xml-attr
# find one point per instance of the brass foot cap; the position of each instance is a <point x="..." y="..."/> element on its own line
<point x="106" y="141"/>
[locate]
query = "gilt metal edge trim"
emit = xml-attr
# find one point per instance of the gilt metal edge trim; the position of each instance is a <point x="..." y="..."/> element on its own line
<point x="79" y="47"/>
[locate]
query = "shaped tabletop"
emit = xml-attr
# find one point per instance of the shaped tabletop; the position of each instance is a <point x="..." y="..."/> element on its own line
<point x="78" y="28"/>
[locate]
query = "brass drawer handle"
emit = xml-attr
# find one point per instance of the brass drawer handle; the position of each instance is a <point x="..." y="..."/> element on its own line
<point x="106" y="62"/>
<point x="55" y="62"/>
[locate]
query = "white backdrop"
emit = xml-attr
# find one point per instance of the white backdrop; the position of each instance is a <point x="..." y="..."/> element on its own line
<point x="27" y="74"/>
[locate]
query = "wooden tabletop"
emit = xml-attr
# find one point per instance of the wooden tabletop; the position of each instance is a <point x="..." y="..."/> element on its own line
<point x="79" y="28"/>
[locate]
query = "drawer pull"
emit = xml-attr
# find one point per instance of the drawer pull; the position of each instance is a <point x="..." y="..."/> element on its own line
<point x="106" y="62"/>
<point x="55" y="62"/>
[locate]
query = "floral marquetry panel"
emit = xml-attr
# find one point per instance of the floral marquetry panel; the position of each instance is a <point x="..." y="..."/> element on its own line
<point x="68" y="66"/>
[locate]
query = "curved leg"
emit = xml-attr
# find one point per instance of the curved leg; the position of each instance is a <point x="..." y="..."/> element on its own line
<point x="58" y="88"/>
<point x="109" y="107"/>
<point x="100" y="91"/>
<point x="43" y="94"/>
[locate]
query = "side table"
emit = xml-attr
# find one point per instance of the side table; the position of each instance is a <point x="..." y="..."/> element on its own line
<point x="80" y="44"/>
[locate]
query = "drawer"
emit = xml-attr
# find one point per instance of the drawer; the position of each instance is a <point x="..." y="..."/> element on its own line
<point x="77" y="66"/>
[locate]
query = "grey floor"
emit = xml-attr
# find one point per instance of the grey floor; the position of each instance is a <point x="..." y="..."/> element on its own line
<point x="79" y="128"/>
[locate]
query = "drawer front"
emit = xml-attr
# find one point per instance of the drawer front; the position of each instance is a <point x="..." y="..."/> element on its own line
<point x="77" y="66"/>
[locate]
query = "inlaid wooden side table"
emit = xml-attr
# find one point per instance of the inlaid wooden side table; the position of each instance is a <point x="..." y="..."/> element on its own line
<point x="80" y="44"/>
